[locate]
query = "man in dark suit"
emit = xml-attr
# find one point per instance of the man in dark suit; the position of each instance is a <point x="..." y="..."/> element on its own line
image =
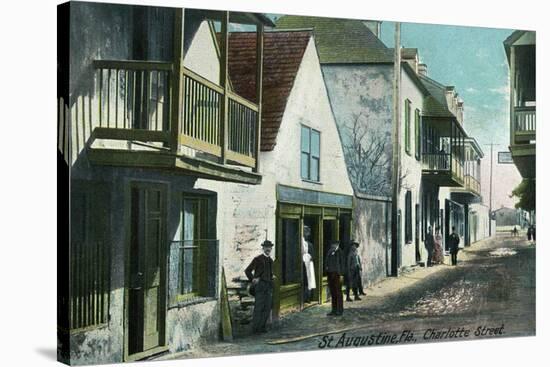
<point x="454" y="240"/>
<point x="334" y="266"/>
<point x="260" y="273"/>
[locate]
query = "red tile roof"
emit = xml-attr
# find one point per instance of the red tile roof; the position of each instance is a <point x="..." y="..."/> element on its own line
<point x="283" y="53"/>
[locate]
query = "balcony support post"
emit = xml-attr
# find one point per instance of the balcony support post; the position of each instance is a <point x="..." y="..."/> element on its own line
<point x="259" y="82"/>
<point x="176" y="107"/>
<point x="224" y="105"/>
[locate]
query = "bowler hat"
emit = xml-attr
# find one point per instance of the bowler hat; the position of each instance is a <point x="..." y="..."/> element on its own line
<point x="267" y="243"/>
<point x="355" y="243"/>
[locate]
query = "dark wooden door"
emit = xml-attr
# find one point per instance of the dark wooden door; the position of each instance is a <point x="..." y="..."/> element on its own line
<point x="146" y="293"/>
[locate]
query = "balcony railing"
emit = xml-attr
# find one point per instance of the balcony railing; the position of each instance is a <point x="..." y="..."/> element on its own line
<point x="472" y="184"/>
<point x="134" y="104"/>
<point x="133" y="100"/>
<point x="524" y="123"/>
<point x="443" y="162"/>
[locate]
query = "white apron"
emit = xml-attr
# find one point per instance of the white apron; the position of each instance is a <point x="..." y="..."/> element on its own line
<point x="308" y="263"/>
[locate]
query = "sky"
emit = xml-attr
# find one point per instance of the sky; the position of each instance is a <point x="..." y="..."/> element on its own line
<point x="473" y="60"/>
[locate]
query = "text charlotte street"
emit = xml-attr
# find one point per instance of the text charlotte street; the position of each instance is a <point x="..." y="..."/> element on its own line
<point x="407" y="336"/>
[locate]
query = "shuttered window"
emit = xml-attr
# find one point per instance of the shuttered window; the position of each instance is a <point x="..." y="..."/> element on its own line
<point x="417" y="143"/>
<point x="408" y="126"/>
<point x="89" y="256"/>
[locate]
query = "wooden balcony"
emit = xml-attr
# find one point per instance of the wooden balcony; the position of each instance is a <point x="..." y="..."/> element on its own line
<point x="472" y="184"/>
<point x="444" y="169"/>
<point x="135" y="106"/>
<point x="524" y="123"/>
<point x="523" y="140"/>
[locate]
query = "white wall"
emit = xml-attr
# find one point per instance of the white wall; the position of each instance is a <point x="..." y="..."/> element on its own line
<point x="481" y="212"/>
<point x="201" y="56"/>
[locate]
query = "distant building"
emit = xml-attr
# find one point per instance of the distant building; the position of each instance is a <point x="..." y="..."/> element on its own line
<point x="509" y="217"/>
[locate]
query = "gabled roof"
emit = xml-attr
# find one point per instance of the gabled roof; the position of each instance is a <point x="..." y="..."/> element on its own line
<point x="433" y="108"/>
<point x="435" y="105"/>
<point x="341" y="41"/>
<point x="283" y="53"/>
<point x="513" y="38"/>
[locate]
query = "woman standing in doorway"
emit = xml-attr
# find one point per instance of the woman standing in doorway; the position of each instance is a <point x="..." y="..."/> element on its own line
<point x="438" y="248"/>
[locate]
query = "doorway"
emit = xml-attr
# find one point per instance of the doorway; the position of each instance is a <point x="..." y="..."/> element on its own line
<point x="311" y="236"/>
<point x="330" y="233"/>
<point x="146" y="305"/>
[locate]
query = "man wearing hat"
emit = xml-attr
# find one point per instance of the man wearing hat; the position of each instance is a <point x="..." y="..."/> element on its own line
<point x="260" y="273"/>
<point x="334" y="266"/>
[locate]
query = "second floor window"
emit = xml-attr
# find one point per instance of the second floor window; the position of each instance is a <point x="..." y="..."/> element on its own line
<point x="310" y="159"/>
<point x="408" y="126"/>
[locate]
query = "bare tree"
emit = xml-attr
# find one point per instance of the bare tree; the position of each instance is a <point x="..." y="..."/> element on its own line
<point x="367" y="160"/>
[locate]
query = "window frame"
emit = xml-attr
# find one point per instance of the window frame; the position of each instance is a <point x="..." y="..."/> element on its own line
<point x="200" y="265"/>
<point x="310" y="155"/>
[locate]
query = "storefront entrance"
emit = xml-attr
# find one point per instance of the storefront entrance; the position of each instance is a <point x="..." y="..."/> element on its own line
<point x="305" y="229"/>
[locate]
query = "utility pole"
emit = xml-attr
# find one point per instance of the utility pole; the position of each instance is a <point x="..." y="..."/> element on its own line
<point x="491" y="194"/>
<point x="395" y="237"/>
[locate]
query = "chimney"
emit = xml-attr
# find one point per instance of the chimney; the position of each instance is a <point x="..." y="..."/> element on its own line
<point x="460" y="107"/>
<point x="449" y="96"/>
<point x="410" y="56"/>
<point x="423" y="69"/>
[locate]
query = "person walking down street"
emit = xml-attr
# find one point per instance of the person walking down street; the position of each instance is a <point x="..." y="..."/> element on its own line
<point x="334" y="267"/>
<point x="438" y="247"/>
<point x="429" y="244"/>
<point x="534" y="234"/>
<point x="529" y="233"/>
<point x="454" y="241"/>
<point x="260" y="273"/>
<point x="515" y="231"/>
<point x="354" y="270"/>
